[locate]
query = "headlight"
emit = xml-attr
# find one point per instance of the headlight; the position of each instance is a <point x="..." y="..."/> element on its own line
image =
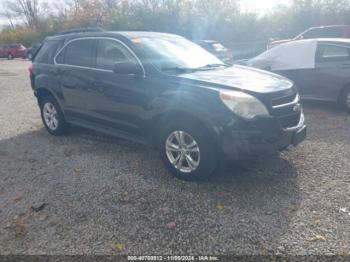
<point x="242" y="104"/>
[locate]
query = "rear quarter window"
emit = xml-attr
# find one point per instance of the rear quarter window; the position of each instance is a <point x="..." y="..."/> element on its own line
<point x="47" y="52"/>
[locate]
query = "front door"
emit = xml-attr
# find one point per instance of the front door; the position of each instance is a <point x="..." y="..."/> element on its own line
<point x="117" y="100"/>
<point x="330" y="75"/>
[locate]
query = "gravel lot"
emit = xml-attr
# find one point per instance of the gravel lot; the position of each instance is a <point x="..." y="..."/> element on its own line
<point x="109" y="196"/>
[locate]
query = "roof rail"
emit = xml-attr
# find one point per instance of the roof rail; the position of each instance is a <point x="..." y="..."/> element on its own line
<point x="81" y="30"/>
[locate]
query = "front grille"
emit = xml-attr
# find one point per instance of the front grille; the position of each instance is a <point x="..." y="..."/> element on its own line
<point x="283" y="107"/>
<point x="283" y="100"/>
<point x="289" y="121"/>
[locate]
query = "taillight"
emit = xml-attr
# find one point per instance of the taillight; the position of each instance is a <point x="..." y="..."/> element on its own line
<point x="30" y="69"/>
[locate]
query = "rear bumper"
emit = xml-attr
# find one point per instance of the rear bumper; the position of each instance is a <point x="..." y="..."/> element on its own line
<point x="267" y="138"/>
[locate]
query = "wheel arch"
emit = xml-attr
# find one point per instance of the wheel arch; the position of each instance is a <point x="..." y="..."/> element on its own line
<point x="165" y="118"/>
<point x="42" y="92"/>
<point x="341" y="92"/>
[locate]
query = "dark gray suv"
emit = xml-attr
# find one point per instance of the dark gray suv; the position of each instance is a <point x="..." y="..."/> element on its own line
<point x="165" y="91"/>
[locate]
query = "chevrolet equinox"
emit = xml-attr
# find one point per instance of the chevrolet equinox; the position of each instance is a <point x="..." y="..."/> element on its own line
<point x="163" y="90"/>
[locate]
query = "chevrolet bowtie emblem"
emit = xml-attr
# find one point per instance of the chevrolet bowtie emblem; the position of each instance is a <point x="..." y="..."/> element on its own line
<point x="297" y="107"/>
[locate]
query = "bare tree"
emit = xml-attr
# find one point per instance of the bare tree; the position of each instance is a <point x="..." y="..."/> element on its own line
<point x="9" y="17"/>
<point x="27" y="10"/>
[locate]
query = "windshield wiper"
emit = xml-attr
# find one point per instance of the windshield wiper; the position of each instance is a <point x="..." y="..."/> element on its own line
<point x="179" y="69"/>
<point x="189" y="69"/>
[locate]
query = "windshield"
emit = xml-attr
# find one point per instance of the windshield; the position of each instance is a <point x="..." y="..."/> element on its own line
<point x="290" y="56"/>
<point x="167" y="53"/>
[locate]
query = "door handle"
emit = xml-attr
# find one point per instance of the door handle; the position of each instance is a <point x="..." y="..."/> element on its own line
<point x="69" y="85"/>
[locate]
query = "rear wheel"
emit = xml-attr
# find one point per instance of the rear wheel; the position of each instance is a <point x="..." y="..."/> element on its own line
<point x="52" y="116"/>
<point x="188" y="151"/>
<point x="345" y="99"/>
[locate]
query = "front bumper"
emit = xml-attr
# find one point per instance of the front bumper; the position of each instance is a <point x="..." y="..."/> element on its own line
<point x="265" y="136"/>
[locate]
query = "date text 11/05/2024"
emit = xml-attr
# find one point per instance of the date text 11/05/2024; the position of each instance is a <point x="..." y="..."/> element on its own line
<point x="173" y="258"/>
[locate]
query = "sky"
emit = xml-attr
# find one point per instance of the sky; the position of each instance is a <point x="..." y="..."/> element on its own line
<point x="260" y="7"/>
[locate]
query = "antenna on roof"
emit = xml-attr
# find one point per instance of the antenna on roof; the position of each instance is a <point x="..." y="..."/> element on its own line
<point x="81" y="30"/>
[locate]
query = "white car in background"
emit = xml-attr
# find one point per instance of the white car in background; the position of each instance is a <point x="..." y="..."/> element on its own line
<point x="320" y="68"/>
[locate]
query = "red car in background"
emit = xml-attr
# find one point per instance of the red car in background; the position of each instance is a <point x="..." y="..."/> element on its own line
<point x="13" y="51"/>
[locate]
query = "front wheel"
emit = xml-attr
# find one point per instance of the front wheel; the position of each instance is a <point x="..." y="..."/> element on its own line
<point x="188" y="151"/>
<point x="52" y="116"/>
<point x="345" y="99"/>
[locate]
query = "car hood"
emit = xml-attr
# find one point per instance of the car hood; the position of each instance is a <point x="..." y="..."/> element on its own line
<point x="241" y="78"/>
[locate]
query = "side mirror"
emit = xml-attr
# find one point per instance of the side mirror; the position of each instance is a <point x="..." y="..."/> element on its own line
<point x="127" y="68"/>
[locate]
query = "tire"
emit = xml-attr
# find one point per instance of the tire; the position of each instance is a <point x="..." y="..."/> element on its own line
<point x="345" y="99"/>
<point x="9" y="57"/>
<point x="203" y="151"/>
<point x="52" y="116"/>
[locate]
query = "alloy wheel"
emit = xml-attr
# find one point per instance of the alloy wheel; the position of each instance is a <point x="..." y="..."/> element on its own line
<point x="182" y="151"/>
<point x="347" y="100"/>
<point x="50" y="116"/>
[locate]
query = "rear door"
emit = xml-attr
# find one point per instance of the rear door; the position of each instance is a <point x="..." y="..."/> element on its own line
<point x="44" y="70"/>
<point x="74" y="68"/>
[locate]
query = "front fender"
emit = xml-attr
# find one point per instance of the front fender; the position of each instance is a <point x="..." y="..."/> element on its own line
<point x="199" y="104"/>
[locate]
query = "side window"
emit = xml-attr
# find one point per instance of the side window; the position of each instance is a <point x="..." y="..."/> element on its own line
<point x="331" y="32"/>
<point x="46" y="52"/>
<point x="332" y="53"/>
<point x="110" y="52"/>
<point x="312" y="33"/>
<point x="77" y="53"/>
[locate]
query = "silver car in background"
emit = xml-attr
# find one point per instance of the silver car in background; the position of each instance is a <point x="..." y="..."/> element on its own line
<point x="320" y="68"/>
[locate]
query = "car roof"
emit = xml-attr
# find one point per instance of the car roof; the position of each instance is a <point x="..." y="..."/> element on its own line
<point x="336" y="40"/>
<point x="133" y="34"/>
<point x="329" y="26"/>
<point x="124" y="34"/>
<point x="322" y="40"/>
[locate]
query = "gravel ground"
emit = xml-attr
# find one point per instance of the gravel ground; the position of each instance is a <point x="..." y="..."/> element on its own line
<point x="94" y="194"/>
